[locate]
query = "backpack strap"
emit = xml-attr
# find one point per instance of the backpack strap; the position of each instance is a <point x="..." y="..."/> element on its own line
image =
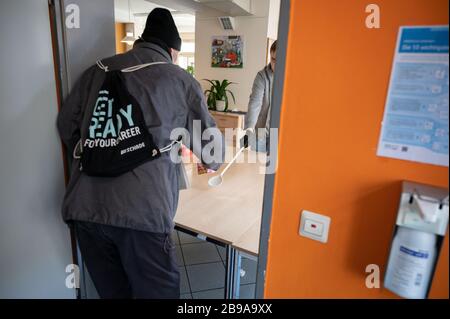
<point x="131" y="68"/>
<point x="141" y="66"/>
<point x="102" y="66"/>
<point x="169" y="147"/>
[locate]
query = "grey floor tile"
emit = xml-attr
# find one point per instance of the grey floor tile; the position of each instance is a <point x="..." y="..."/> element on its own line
<point x="184" y="284"/>
<point x="206" y="276"/>
<point x="186" y="296"/>
<point x="180" y="261"/>
<point x="200" y="253"/>
<point x="188" y="239"/>
<point x="250" y="271"/>
<point x="175" y="238"/>
<point x="247" y="291"/>
<point x="210" y="294"/>
<point x="222" y="253"/>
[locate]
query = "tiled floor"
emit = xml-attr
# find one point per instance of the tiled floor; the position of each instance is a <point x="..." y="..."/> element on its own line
<point x="202" y="269"/>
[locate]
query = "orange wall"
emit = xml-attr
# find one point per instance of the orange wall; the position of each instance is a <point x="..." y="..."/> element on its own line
<point x="334" y="96"/>
<point x="120" y="34"/>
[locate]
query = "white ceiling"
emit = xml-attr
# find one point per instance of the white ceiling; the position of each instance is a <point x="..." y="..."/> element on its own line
<point x="183" y="11"/>
<point x="191" y="6"/>
<point x="136" y="11"/>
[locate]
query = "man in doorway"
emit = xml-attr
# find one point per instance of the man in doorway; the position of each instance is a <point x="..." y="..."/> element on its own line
<point x="258" y="116"/>
<point x="123" y="224"/>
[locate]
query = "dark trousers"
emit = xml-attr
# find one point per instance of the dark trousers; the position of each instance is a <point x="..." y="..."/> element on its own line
<point x="125" y="263"/>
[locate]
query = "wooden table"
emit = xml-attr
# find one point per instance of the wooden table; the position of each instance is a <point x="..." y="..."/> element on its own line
<point x="228" y="215"/>
<point x="249" y="241"/>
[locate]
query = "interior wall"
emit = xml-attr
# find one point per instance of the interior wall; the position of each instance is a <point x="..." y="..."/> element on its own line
<point x="274" y="14"/>
<point x="82" y="49"/>
<point x="336" y="83"/>
<point x="84" y="46"/>
<point x="253" y="29"/>
<point x="34" y="242"/>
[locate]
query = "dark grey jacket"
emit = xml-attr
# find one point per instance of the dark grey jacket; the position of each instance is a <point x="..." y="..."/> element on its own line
<point x="145" y="198"/>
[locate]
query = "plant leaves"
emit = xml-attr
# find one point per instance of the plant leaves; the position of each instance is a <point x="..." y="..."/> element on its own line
<point x="232" y="95"/>
<point x="219" y="92"/>
<point x="226" y="103"/>
<point x="224" y="84"/>
<point x="212" y="83"/>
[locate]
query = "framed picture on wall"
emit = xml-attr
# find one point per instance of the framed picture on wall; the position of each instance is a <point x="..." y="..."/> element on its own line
<point x="227" y="52"/>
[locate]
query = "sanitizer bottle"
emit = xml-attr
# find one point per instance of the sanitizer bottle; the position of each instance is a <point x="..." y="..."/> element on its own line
<point x="411" y="263"/>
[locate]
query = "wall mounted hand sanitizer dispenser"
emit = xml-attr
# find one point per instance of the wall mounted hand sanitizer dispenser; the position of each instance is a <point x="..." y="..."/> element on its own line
<point x="421" y="225"/>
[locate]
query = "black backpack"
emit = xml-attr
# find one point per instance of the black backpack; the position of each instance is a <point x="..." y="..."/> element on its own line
<point x="116" y="140"/>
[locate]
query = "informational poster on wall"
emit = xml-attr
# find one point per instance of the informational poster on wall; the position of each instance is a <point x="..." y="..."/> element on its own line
<point x="415" y="124"/>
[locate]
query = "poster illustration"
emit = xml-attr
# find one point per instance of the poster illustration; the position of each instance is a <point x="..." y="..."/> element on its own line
<point x="227" y="52"/>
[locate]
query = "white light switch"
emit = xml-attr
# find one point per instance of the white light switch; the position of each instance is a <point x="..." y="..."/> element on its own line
<point x="314" y="226"/>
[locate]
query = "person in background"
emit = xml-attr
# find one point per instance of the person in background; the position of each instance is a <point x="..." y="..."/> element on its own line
<point x="123" y="224"/>
<point x="257" y="120"/>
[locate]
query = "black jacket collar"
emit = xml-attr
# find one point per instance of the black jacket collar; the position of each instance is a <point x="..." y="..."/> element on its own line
<point x="154" y="47"/>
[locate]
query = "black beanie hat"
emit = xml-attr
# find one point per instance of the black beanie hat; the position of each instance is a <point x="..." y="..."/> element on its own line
<point x="161" y="26"/>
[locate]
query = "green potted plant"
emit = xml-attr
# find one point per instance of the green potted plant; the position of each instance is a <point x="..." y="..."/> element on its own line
<point x="190" y="69"/>
<point x="217" y="95"/>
